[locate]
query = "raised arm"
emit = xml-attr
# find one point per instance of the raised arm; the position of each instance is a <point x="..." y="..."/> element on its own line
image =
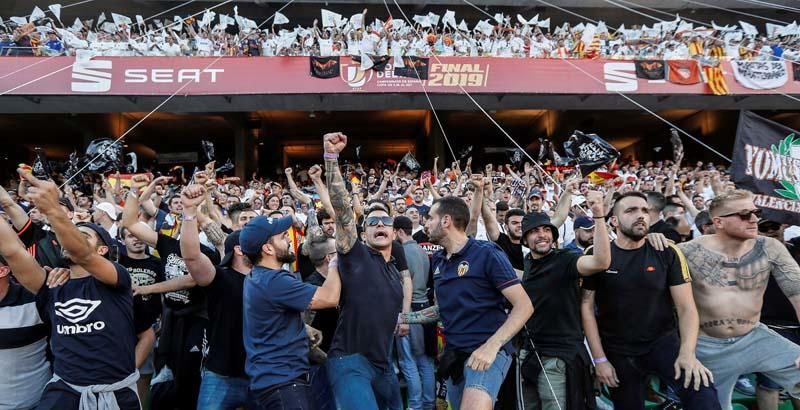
<point x="130" y="221"/>
<point x="315" y="173"/>
<point x="45" y="196"/>
<point x="19" y="218"/>
<point x="346" y="233"/>
<point x="600" y="259"/>
<point x="24" y="267"/>
<point x="477" y="204"/>
<point x="293" y="190"/>
<point x="387" y="175"/>
<point x="199" y="266"/>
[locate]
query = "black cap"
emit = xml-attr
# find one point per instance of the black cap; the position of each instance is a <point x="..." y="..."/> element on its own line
<point x="65" y="202"/>
<point x="402" y="222"/>
<point x="101" y="232"/>
<point x="231" y="242"/>
<point x="534" y="220"/>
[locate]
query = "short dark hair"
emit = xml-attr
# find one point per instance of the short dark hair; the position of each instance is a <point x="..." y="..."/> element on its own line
<point x="656" y="199"/>
<point x="671" y="207"/>
<point x="502" y="206"/>
<point x="371" y="204"/>
<point x="635" y="194"/>
<point x="322" y="215"/>
<point x="276" y="212"/>
<point x="236" y="209"/>
<point x="456" y="208"/>
<point x="514" y="212"/>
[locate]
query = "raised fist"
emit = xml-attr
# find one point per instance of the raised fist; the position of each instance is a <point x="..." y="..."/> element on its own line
<point x="334" y="142"/>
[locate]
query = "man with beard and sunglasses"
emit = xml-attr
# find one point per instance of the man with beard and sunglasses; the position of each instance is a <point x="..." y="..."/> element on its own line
<point x="631" y="328"/>
<point x="732" y="269"/>
<point x="551" y="280"/>
<point x="275" y="337"/>
<point x="372" y="298"/>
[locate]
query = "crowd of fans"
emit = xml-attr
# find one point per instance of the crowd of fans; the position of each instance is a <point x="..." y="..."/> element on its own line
<point x="318" y="288"/>
<point x="430" y="34"/>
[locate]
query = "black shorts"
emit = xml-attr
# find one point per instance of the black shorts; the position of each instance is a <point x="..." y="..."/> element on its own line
<point x="58" y="395"/>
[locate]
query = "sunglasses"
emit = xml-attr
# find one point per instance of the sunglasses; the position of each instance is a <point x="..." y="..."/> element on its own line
<point x="745" y="215"/>
<point x="375" y="220"/>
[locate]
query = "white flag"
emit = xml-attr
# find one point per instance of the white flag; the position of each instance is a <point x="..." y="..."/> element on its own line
<point x="101" y="18"/>
<point x="580" y="27"/>
<point x="397" y="59"/>
<point x="37" y="14"/>
<point x="119" y="19"/>
<point x="357" y="20"/>
<point x="139" y="20"/>
<point x="177" y="23"/>
<point x="670" y="25"/>
<point x="423" y="21"/>
<point x="325" y="47"/>
<point x="484" y="27"/>
<point x="449" y="18"/>
<point x="684" y="27"/>
<point x="330" y="19"/>
<point x="76" y="26"/>
<point x="498" y="17"/>
<point x="366" y="62"/>
<point x="588" y="34"/>
<point x="56" y="10"/>
<point x="280" y="19"/>
<point x="621" y="28"/>
<point x="433" y="18"/>
<point x="532" y="22"/>
<point x="601" y="27"/>
<point x="544" y="23"/>
<point x="109" y="27"/>
<point x="748" y="28"/>
<point x="19" y="20"/>
<point x="463" y="25"/>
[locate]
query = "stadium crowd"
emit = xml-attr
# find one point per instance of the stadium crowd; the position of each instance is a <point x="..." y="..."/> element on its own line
<point x="315" y="290"/>
<point x="431" y="34"/>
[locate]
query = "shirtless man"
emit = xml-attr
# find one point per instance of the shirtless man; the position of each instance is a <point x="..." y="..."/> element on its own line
<point x="730" y="272"/>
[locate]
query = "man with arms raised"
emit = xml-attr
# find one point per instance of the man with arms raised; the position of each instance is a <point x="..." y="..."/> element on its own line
<point x="92" y="336"/>
<point x="634" y="333"/>
<point x="731" y="270"/>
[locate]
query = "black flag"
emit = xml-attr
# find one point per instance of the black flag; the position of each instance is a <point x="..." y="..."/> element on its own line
<point x="677" y="146"/>
<point x="378" y="62"/>
<point x="103" y="155"/>
<point x="413" y="66"/>
<point x="410" y="162"/>
<point x="515" y="155"/>
<point x="589" y="151"/>
<point x="465" y="152"/>
<point x="651" y="69"/>
<point x="324" y="67"/>
<point x="763" y="157"/>
<point x="40" y="168"/>
<point x="226" y="167"/>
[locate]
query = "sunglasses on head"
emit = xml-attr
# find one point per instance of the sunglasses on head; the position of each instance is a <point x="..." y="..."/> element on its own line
<point x="744" y="215"/>
<point x="374" y="220"/>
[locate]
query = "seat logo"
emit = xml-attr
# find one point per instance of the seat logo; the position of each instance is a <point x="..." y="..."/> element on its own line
<point x="620" y="77"/>
<point x="90" y="77"/>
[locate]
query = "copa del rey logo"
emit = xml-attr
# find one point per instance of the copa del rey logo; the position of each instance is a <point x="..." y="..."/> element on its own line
<point x="75" y="311"/>
<point x="94" y="76"/>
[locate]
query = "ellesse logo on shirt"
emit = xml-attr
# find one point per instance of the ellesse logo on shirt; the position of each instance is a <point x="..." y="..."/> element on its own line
<point x="77" y="310"/>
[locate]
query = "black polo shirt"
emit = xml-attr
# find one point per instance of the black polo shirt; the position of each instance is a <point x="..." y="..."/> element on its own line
<point x="665" y="229"/>
<point x="634" y="304"/>
<point x="513" y="251"/>
<point x="371" y="299"/>
<point x="552" y="283"/>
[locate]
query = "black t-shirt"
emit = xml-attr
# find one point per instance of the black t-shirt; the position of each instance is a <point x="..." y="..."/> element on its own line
<point x="226" y="353"/>
<point x="777" y="309"/>
<point x="371" y="299"/>
<point x="665" y="229"/>
<point x="399" y="255"/>
<point x="173" y="266"/>
<point x="421" y="236"/>
<point x="324" y="319"/>
<point x="92" y="338"/>
<point x="514" y="252"/>
<point x="144" y="272"/>
<point x="552" y="283"/>
<point x="634" y="304"/>
<point x="42" y="244"/>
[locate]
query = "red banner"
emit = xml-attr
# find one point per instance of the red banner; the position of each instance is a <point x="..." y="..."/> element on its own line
<point x="290" y="75"/>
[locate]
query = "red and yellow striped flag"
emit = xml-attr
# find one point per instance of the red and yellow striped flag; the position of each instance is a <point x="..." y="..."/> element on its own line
<point x="716" y="80"/>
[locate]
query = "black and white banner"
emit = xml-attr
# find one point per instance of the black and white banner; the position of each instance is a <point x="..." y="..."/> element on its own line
<point x="766" y="161"/>
<point x="760" y="75"/>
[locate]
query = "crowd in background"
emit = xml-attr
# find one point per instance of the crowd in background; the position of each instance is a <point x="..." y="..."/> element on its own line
<point x="431" y="34"/>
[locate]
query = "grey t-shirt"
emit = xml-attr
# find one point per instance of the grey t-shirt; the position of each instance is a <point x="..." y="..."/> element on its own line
<point x="419" y="265"/>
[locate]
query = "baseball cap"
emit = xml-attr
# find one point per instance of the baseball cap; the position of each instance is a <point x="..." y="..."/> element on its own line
<point x="765" y="225"/>
<point x="535" y="192"/>
<point x="534" y="220"/>
<point x="583" y="222"/>
<point x="258" y="231"/>
<point x="230" y="242"/>
<point x="108" y="209"/>
<point x="100" y="231"/>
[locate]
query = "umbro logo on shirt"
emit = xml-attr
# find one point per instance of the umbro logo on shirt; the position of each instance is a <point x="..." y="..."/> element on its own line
<point x="77" y="310"/>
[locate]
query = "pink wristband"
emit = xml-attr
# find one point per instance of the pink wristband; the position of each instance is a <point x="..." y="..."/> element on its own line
<point x="600" y="360"/>
<point x="329" y="155"/>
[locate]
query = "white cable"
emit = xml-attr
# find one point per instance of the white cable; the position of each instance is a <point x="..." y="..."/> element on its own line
<point x="276" y="12"/>
<point x="424" y="90"/>
<point x="770" y="5"/>
<point x="539" y="358"/>
<point x="78" y="172"/>
<point x="735" y="11"/>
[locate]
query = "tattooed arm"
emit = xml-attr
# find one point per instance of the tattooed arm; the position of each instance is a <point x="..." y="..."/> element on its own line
<point x="785" y="270"/>
<point x="427" y="315"/>
<point x="346" y="233"/>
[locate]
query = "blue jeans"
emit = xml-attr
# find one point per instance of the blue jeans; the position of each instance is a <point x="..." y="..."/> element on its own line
<point x="295" y="395"/>
<point x="219" y="392"/>
<point x="358" y="385"/>
<point x="488" y="380"/>
<point x="417" y="368"/>
<point x="321" y="394"/>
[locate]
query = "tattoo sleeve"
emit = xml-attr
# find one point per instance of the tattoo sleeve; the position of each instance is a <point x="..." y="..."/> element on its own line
<point x="428" y="315"/>
<point x="214" y="232"/>
<point x="346" y="233"/>
<point x="784" y="268"/>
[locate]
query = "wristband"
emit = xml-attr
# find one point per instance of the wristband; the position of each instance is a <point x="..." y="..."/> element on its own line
<point x="600" y="360"/>
<point x="189" y="217"/>
<point x="330" y="155"/>
<point x="598" y="217"/>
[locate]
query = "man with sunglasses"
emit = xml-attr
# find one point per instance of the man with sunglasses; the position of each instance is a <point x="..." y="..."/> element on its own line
<point x="731" y="270"/>
<point x="371" y="299"/>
